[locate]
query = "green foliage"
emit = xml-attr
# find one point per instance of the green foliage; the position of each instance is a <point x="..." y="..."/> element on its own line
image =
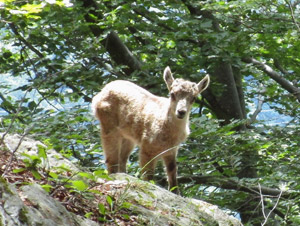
<point x="56" y="58"/>
<point x="114" y="207"/>
<point x="219" y="152"/>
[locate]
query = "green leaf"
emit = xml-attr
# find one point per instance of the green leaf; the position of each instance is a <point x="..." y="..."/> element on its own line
<point x="102" y="174"/>
<point x="173" y="188"/>
<point x="31" y="159"/>
<point x="36" y="174"/>
<point x="109" y="201"/>
<point x="230" y="133"/>
<point x="266" y="146"/>
<point x="102" y="209"/>
<point x="42" y="152"/>
<point x="126" y="205"/>
<point x="171" y="44"/>
<point x="53" y="175"/>
<point x="19" y="170"/>
<point x="126" y="216"/>
<point x="47" y="187"/>
<point x="79" y="185"/>
<point x="32" y="9"/>
<point x="95" y="192"/>
<point x="86" y="175"/>
<point x="88" y="215"/>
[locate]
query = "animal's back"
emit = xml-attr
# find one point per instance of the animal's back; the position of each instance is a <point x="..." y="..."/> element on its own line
<point x="124" y="93"/>
<point x="130" y="109"/>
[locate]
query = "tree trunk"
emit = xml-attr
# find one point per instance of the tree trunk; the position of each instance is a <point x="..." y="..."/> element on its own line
<point x="229" y="103"/>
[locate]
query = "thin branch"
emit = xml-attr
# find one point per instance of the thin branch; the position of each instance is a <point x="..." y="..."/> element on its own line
<point x="227" y="183"/>
<point x="275" y="76"/>
<point x="161" y="24"/>
<point x="258" y="109"/>
<point x="293" y="16"/>
<point x="295" y="3"/>
<point x="14" y="118"/>
<point x="13" y="152"/>
<point x="204" y="13"/>
<point x="108" y="67"/>
<point x="262" y="201"/>
<point x="263" y="207"/>
<point x="260" y="101"/>
<point x="31" y="47"/>
<point x="279" y="67"/>
<point x="41" y="83"/>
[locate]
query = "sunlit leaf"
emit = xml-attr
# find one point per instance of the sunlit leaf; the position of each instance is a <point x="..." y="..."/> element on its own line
<point x="79" y="185"/>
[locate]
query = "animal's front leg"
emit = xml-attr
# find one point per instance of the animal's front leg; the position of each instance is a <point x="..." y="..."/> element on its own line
<point x="170" y="162"/>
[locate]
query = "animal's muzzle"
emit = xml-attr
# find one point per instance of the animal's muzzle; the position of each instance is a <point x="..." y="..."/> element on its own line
<point x="181" y="113"/>
<point x="181" y="109"/>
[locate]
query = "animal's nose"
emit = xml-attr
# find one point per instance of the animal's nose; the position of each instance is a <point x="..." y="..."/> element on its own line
<point x="181" y="113"/>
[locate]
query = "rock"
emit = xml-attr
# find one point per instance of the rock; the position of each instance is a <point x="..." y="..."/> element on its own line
<point x="157" y="206"/>
<point x="30" y="147"/>
<point x="33" y="206"/>
<point x="146" y="203"/>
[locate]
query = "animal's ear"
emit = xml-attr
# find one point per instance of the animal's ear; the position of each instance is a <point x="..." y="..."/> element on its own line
<point x="168" y="77"/>
<point x="203" y="84"/>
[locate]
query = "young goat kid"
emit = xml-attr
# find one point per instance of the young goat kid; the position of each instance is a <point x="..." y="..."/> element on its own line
<point x="130" y="115"/>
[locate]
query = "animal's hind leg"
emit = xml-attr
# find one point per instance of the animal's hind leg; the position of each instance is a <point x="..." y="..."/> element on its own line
<point x="110" y="136"/>
<point x="111" y="144"/>
<point x="126" y="148"/>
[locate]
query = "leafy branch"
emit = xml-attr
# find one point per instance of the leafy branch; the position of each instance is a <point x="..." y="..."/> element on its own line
<point x="275" y="76"/>
<point x="41" y="56"/>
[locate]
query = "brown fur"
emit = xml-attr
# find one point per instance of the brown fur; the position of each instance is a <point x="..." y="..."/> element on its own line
<point x="130" y="116"/>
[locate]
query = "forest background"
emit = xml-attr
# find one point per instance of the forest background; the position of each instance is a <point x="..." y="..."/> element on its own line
<point x="56" y="55"/>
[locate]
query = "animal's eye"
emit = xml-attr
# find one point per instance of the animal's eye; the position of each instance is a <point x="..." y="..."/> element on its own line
<point x="173" y="97"/>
